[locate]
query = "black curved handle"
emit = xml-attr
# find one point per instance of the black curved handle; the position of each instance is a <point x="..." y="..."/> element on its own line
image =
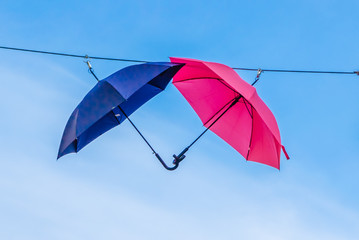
<point x="165" y="165"/>
<point x="176" y="160"/>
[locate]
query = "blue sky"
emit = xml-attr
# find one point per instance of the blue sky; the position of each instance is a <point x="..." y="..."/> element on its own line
<point x="115" y="188"/>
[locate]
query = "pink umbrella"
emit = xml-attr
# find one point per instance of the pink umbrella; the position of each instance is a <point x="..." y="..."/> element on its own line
<point x="231" y="108"/>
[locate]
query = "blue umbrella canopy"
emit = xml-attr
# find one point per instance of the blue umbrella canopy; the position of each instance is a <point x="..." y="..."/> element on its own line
<point x="112" y="100"/>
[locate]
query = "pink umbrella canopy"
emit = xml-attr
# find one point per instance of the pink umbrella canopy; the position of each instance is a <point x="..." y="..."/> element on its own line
<point x="247" y="124"/>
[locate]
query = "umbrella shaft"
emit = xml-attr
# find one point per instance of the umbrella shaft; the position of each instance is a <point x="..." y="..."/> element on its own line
<point x="148" y="144"/>
<point x="138" y="131"/>
<point x="235" y="100"/>
<point x="230" y="106"/>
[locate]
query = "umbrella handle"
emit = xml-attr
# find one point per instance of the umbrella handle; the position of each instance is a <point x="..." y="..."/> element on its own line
<point x="164" y="164"/>
<point x="176" y="160"/>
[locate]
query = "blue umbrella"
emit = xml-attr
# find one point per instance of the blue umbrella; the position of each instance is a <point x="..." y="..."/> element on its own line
<point x="112" y="100"/>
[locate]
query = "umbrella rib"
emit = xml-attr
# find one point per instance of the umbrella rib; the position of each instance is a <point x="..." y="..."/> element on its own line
<point x="250" y="140"/>
<point x="219" y="111"/>
<point x="245" y="103"/>
<point x="154" y="86"/>
<point x="190" y="79"/>
<point x="218" y="79"/>
<point x="221" y="81"/>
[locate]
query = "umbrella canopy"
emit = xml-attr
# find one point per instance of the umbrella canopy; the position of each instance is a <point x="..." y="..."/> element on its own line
<point x="112" y="100"/>
<point x="219" y="95"/>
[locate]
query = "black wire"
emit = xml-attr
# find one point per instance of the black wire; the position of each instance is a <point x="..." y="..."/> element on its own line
<point x="73" y="55"/>
<point x="143" y="61"/>
<point x="296" y="71"/>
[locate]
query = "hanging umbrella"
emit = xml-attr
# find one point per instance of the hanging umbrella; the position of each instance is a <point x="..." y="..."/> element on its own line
<point x="231" y="108"/>
<point x="112" y="100"/>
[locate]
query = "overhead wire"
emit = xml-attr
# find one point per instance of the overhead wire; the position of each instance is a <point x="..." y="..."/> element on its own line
<point x="144" y="61"/>
<point x="296" y="71"/>
<point x="72" y="55"/>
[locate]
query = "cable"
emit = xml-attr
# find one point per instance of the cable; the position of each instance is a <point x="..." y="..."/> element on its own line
<point x="72" y="55"/>
<point x="143" y="61"/>
<point x="296" y="71"/>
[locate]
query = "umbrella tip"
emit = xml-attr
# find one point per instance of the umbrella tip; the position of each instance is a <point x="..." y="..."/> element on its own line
<point x="285" y="153"/>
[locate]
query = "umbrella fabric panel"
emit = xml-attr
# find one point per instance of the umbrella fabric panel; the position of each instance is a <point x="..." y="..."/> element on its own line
<point x="264" y="148"/>
<point x="200" y="69"/>
<point x="146" y="92"/>
<point x="206" y="96"/>
<point x="123" y="80"/>
<point x="266" y="114"/>
<point x="254" y="143"/>
<point x="195" y="69"/>
<point x="106" y="123"/>
<point x="232" y="79"/>
<point x="234" y="127"/>
<point x="139" y="98"/>
<point x="97" y="103"/>
<point x="74" y="143"/>
<point x="161" y="81"/>
<point x="68" y="142"/>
